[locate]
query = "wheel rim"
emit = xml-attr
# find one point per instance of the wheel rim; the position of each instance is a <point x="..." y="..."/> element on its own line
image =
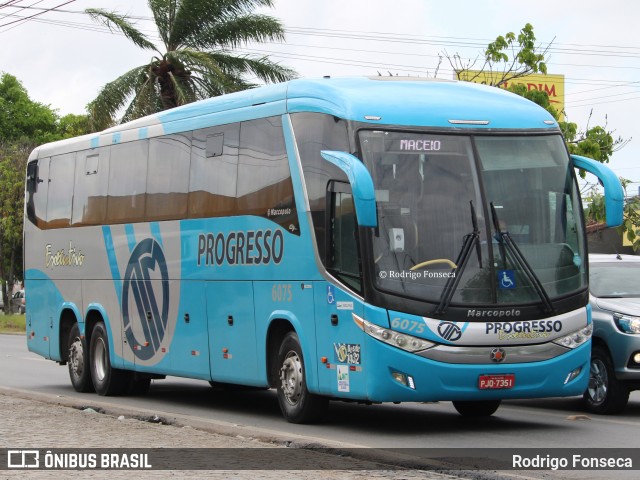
<point x="598" y="381"/>
<point x="291" y="378"/>
<point x="100" y="359"/>
<point x="76" y="357"/>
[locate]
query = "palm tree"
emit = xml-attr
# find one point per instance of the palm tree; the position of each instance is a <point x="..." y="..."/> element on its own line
<point x="198" y="38"/>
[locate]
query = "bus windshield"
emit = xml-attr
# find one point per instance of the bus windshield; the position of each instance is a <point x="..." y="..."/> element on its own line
<point x="482" y="219"/>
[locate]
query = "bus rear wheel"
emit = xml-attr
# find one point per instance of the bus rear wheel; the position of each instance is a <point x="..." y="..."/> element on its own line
<point x="107" y="380"/>
<point x="478" y="408"/>
<point x="297" y="404"/>
<point x="78" y="361"/>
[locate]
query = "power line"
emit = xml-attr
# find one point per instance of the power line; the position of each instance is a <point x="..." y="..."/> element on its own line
<point x="434" y="39"/>
<point x="25" y="19"/>
<point x="378" y="65"/>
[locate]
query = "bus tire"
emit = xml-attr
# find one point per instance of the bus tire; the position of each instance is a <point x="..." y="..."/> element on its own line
<point x="477" y="408"/>
<point x="297" y="404"/>
<point x="107" y="381"/>
<point x="78" y="361"/>
<point x="605" y="394"/>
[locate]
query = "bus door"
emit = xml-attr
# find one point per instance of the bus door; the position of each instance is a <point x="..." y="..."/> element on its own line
<point x="232" y="332"/>
<point x="339" y="340"/>
<point x="38" y="287"/>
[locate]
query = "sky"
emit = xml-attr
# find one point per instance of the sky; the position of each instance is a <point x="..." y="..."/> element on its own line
<point x="63" y="58"/>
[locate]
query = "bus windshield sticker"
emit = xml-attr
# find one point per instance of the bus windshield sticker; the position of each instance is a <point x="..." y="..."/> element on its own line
<point x="506" y="279"/>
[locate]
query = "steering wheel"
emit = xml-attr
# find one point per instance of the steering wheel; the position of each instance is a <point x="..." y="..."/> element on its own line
<point x="434" y="262"/>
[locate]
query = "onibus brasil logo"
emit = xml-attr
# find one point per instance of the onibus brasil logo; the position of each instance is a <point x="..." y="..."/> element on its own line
<point x="145" y="299"/>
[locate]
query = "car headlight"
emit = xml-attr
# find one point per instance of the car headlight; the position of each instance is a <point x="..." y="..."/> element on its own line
<point x="626" y="323"/>
<point x="577" y="338"/>
<point x="406" y="342"/>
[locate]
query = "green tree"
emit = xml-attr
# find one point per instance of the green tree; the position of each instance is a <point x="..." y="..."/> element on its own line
<point x="22" y="118"/>
<point x="24" y="124"/>
<point x="593" y="142"/>
<point x="506" y="58"/>
<point x="72" y="125"/>
<point x="510" y="57"/>
<point x="595" y="213"/>
<point x="13" y="161"/>
<point x="196" y="60"/>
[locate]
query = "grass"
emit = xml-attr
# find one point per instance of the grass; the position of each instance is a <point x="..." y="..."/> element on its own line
<point x="12" y="323"/>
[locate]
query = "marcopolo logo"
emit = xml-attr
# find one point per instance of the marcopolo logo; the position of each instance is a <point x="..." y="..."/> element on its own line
<point x="449" y="331"/>
<point x="145" y="299"/>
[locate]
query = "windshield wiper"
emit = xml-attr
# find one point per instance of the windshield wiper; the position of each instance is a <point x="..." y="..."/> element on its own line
<point x="453" y="281"/>
<point x="521" y="262"/>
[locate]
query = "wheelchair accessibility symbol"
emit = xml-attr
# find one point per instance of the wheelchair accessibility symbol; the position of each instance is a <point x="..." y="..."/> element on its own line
<point x="146" y="282"/>
<point x="506" y="279"/>
<point x="331" y="298"/>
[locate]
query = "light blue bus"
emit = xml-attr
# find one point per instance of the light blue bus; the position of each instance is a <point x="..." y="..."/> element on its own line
<point x="364" y="239"/>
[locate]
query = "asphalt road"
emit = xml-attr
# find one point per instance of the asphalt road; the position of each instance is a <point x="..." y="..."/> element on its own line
<point x="552" y="423"/>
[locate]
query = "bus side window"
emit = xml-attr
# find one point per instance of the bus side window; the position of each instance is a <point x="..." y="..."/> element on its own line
<point x="214" y="171"/>
<point x="91" y="184"/>
<point x="60" y="195"/>
<point x="343" y="258"/>
<point x="168" y="177"/>
<point x="264" y="179"/>
<point x="127" y="192"/>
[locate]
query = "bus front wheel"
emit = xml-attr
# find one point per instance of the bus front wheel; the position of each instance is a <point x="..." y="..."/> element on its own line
<point x="479" y="408"/>
<point x="78" y="361"/>
<point x="106" y="380"/>
<point x="297" y="404"/>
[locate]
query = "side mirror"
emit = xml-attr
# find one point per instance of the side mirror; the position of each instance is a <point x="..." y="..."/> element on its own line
<point x="364" y="195"/>
<point x="32" y="177"/>
<point x="613" y="192"/>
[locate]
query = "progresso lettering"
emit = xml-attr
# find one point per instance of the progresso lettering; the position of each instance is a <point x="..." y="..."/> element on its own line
<point x="537" y="326"/>
<point x="259" y="247"/>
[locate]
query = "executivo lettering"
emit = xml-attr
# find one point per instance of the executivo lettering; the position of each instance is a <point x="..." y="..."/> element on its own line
<point x="72" y="257"/>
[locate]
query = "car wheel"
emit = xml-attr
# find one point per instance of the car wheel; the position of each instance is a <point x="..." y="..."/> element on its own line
<point x="605" y="394"/>
<point x="78" y="361"/>
<point x="297" y="404"/>
<point x="479" y="408"/>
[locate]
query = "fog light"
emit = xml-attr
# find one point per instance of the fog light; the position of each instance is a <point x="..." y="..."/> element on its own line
<point x="636" y="358"/>
<point x="406" y="380"/>
<point x="400" y="378"/>
<point x="572" y="375"/>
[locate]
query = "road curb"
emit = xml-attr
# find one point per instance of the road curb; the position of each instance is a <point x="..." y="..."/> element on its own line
<point x="393" y="460"/>
<point x="180" y="420"/>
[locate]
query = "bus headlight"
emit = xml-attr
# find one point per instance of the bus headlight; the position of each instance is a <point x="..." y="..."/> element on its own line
<point x="577" y="338"/>
<point x="626" y="323"/>
<point x="403" y="341"/>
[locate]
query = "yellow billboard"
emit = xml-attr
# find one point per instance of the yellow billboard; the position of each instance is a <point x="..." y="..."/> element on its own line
<point x="552" y="84"/>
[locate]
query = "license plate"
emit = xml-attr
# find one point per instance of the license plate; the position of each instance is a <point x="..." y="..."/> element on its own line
<point x="495" y="382"/>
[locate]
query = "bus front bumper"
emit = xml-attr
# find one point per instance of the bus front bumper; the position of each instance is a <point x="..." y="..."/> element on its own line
<point x="409" y="377"/>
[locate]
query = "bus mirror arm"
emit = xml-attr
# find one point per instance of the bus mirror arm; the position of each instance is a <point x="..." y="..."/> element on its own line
<point x="364" y="195"/>
<point x="613" y="192"/>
